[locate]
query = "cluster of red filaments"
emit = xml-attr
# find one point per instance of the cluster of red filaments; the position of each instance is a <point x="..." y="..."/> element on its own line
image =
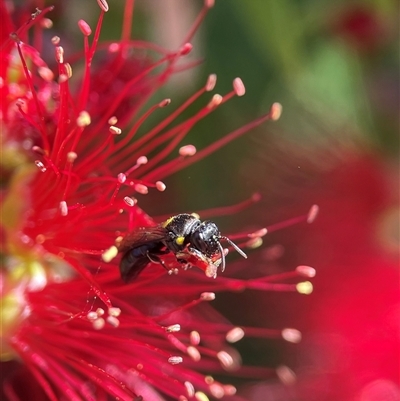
<point x="75" y="192"/>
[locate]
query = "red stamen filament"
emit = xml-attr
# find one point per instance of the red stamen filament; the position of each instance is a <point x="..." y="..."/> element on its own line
<point x="186" y="126"/>
<point x="189" y="305"/>
<point x="86" y="77"/>
<point x="122" y="144"/>
<point x="42" y="130"/>
<point x="220" y="211"/>
<point x="125" y="90"/>
<point x="127" y="22"/>
<point x="122" y="153"/>
<point x="179" y="163"/>
<point x="96" y="152"/>
<point x="89" y="53"/>
<point x="90" y="279"/>
<point x="197" y="22"/>
<point x="21" y="32"/>
<point x="63" y="114"/>
<point x="286" y="223"/>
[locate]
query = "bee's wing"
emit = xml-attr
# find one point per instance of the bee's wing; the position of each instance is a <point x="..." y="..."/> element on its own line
<point x="130" y="266"/>
<point x="143" y="236"/>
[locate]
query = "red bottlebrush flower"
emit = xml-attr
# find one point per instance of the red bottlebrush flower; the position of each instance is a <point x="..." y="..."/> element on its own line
<point x="68" y="194"/>
<point x="361" y="27"/>
<point x="351" y="325"/>
<point x="354" y="326"/>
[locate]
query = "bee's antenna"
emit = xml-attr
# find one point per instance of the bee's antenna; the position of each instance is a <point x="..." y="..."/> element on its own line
<point x="221" y="250"/>
<point x="237" y="249"/>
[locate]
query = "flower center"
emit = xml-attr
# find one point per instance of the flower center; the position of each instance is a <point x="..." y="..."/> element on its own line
<point x="19" y="276"/>
<point x="24" y="268"/>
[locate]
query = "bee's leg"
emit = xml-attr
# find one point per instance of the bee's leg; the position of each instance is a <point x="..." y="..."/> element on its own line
<point x="155" y="259"/>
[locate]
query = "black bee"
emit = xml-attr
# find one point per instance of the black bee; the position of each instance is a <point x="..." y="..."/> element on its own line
<point x="189" y="239"/>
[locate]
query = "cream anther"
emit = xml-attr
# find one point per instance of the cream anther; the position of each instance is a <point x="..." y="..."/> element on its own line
<point x="113" y="321"/>
<point x="113" y="311"/>
<point x="230" y="389"/>
<point x="174" y="328"/>
<point x="103" y="5"/>
<point x="59" y="54"/>
<point x="40" y="166"/>
<point x="238" y="87"/>
<point x="63" y="208"/>
<point x="259" y="233"/>
<point x="114" y="130"/>
<point x="46" y="23"/>
<point x="225" y="359"/>
<point x="187" y="150"/>
<point x="209" y="3"/>
<point x="114" y="47"/>
<point x="130" y="201"/>
<point x="92" y="315"/>
<point x="217" y="390"/>
<point x="200" y="396"/>
<point x="306" y="271"/>
<point x="291" y="335"/>
<point x="84" y="27"/>
<point x="194" y="337"/>
<point x="189" y="388"/>
<point x="83" y="119"/>
<point x="254" y="243"/>
<point x="112" y="120"/>
<point x="304" y="288"/>
<point x="142" y="160"/>
<point x="100" y="311"/>
<point x="186" y="49"/>
<point x="68" y="70"/>
<point x="141" y="189"/>
<point x="215" y="101"/>
<point x="208" y="296"/>
<point x="121" y="178"/>
<point x="275" y="111"/>
<point x="71" y="157"/>
<point x="211" y="82"/>
<point x="174" y="360"/>
<point x="312" y="214"/>
<point x="193" y="353"/>
<point x="161" y="186"/>
<point x="99" y="323"/>
<point x="38" y="150"/>
<point x="110" y="254"/>
<point x="234" y="335"/>
<point x="55" y="40"/>
<point x="164" y="103"/>
<point x="286" y="375"/>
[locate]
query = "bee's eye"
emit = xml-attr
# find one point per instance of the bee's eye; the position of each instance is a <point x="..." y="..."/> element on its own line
<point x="197" y="241"/>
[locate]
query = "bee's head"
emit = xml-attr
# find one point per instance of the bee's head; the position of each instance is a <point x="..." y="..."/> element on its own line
<point x="206" y="239"/>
